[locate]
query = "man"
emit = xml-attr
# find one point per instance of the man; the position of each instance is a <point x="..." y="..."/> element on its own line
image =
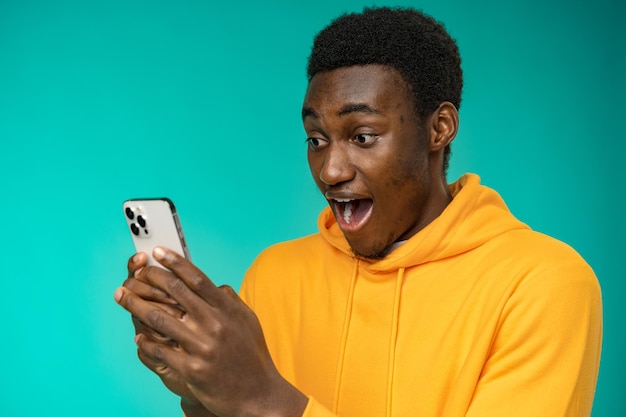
<point x="415" y="298"/>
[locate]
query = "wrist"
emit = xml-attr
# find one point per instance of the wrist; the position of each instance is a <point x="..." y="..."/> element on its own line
<point x="284" y="400"/>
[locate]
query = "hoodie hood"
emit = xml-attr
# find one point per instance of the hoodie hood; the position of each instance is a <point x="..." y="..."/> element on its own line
<point x="475" y="215"/>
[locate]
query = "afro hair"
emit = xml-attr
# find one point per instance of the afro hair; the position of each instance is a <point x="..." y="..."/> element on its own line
<point x="407" y="40"/>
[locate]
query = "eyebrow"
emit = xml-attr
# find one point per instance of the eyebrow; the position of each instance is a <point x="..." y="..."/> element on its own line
<point x="309" y="112"/>
<point x="345" y="110"/>
<point x="358" y="108"/>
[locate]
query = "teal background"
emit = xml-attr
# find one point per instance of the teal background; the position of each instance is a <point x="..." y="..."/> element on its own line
<point x="197" y="101"/>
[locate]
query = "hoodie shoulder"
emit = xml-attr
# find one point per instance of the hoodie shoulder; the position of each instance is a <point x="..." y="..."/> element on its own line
<point x="299" y="248"/>
<point x="295" y="257"/>
<point x="532" y="249"/>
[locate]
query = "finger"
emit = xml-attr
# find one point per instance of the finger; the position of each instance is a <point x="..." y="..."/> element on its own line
<point x="148" y="361"/>
<point x="136" y="262"/>
<point x="175" y="311"/>
<point x="193" y="278"/>
<point x="142" y="328"/>
<point x="151" y="363"/>
<point x="160" y="357"/>
<point x="153" y="316"/>
<point x="159" y="368"/>
<point x="166" y="281"/>
<point x="148" y="292"/>
<point x="153" y="354"/>
<point x="170" y="378"/>
<point x="229" y="291"/>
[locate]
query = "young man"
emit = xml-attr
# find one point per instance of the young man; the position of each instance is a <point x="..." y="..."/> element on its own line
<point x="415" y="298"/>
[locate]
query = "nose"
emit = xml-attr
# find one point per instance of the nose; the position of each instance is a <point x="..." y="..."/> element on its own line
<point x="337" y="166"/>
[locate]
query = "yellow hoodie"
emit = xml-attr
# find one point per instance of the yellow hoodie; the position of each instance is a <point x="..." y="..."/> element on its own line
<point x="475" y="315"/>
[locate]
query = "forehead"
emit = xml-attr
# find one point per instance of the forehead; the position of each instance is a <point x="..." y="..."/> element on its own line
<point x="376" y="85"/>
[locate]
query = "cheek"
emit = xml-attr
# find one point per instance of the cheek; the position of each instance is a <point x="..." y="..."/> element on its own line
<point x="410" y="167"/>
<point x="404" y="161"/>
<point x="402" y="185"/>
<point x="402" y="172"/>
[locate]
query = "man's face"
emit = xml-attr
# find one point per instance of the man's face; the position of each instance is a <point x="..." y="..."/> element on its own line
<point x="369" y="156"/>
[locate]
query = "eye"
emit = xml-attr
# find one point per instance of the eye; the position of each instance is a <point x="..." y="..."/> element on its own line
<point x="316" y="143"/>
<point x="365" y="139"/>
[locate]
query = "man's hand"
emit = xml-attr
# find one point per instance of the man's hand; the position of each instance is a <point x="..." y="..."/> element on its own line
<point x="160" y="299"/>
<point x="214" y="345"/>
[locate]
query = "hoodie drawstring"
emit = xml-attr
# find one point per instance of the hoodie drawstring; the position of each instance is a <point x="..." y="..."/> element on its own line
<point x="344" y="336"/>
<point x="393" y="338"/>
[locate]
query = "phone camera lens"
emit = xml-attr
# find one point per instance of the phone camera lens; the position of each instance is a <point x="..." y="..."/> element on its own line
<point x="134" y="229"/>
<point x="130" y="213"/>
<point x="141" y="221"/>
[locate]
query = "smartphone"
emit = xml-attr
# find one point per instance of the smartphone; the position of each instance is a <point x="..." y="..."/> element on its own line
<point x="154" y="222"/>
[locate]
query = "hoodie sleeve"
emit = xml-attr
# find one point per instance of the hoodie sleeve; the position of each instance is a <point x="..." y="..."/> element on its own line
<point x="246" y="290"/>
<point x="314" y="408"/>
<point x="545" y="355"/>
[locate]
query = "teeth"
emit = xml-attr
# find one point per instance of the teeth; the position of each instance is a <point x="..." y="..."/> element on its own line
<point x="347" y="212"/>
<point x="343" y="200"/>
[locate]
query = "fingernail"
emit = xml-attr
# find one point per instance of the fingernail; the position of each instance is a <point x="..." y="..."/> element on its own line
<point x="118" y="295"/>
<point x="136" y="339"/>
<point x="136" y="258"/>
<point x="137" y="271"/>
<point x="158" y="253"/>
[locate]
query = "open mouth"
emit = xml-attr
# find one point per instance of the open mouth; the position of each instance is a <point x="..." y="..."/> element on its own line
<point x="352" y="214"/>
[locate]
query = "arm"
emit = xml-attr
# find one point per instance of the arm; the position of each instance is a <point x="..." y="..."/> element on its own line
<point x="545" y="356"/>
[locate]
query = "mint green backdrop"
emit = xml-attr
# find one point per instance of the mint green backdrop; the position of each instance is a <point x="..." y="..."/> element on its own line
<point x="106" y="100"/>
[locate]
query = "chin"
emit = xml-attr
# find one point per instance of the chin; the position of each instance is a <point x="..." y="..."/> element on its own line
<point x="371" y="254"/>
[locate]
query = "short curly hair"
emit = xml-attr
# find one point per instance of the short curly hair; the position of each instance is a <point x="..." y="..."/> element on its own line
<point x="414" y="44"/>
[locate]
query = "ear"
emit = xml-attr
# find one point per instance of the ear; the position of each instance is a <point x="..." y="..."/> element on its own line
<point x="444" y="124"/>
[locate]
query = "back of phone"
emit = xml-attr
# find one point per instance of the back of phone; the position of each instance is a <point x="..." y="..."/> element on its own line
<point x="154" y="222"/>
